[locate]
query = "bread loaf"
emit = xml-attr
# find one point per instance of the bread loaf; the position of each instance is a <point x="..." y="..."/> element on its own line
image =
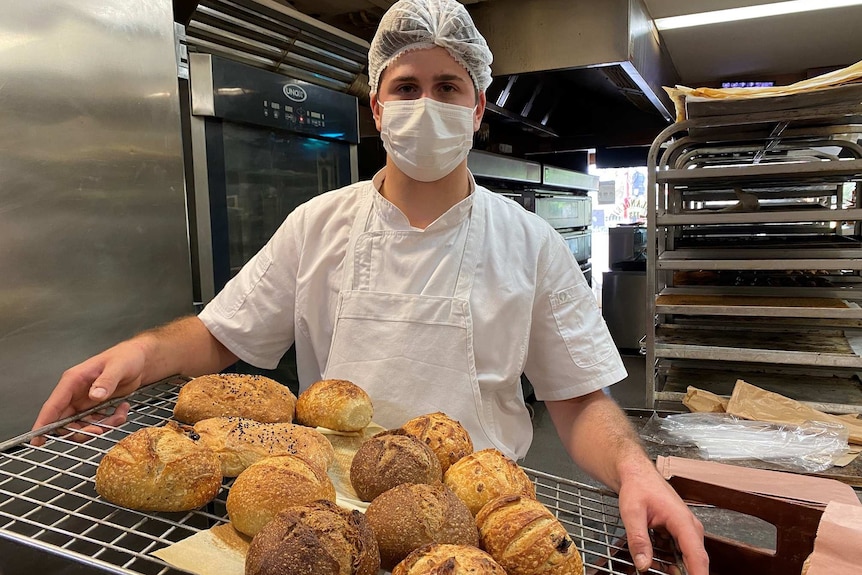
<point x="335" y="404"/>
<point x="484" y="475"/>
<point x="443" y="559"/>
<point x="315" y="539"/>
<point x="446" y="437"/>
<point x="273" y="484"/>
<point x="234" y="395"/>
<point x="414" y="514"/>
<point x="158" y="469"/>
<point x="526" y="539"/>
<point x="240" y="442"/>
<point x="391" y="458"/>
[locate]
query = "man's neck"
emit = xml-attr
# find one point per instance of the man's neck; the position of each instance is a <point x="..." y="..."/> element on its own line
<point x="424" y="202"/>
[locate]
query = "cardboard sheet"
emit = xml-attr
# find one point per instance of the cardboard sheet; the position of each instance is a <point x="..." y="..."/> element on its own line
<point x="813" y="491"/>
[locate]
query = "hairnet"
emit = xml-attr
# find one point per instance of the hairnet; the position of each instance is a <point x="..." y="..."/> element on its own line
<point x="416" y="24"/>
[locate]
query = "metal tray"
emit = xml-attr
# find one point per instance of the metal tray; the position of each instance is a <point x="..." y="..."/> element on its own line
<point x="48" y="502"/>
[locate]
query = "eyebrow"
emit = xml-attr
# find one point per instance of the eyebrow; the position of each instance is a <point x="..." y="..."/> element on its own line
<point x="437" y="78"/>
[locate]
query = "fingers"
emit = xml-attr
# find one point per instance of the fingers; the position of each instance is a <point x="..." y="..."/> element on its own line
<point x="104" y="385"/>
<point x="688" y="533"/>
<point x="94" y="424"/>
<point x="637" y="534"/>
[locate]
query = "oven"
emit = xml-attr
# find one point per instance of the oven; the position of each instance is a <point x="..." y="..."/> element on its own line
<point x="258" y="144"/>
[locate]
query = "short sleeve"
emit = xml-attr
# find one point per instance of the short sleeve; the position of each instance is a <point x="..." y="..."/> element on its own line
<point x="571" y="353"/>
<point x="253" y="316"/>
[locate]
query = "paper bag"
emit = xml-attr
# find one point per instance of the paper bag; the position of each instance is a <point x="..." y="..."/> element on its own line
<point x="700" y="401"/>
<point x="751" y="402"/>
<point x="838" y="546"/>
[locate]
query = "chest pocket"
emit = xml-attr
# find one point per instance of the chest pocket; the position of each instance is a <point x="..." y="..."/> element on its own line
<point x="581" y="325"/>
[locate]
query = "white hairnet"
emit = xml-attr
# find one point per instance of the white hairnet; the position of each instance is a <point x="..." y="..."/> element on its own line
<point x="416" y="24"/>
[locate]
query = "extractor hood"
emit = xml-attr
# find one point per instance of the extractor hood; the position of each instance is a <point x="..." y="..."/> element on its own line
<point x="576" y="73"/>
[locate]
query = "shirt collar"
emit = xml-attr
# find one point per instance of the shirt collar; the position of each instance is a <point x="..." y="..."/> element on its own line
<point x="393" y="216"/>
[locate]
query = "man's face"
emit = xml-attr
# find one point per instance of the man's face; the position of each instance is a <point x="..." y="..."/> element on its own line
<point x="428" y="73"/>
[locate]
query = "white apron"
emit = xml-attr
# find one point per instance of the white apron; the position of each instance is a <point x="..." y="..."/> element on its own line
<point x="413" y="354"/>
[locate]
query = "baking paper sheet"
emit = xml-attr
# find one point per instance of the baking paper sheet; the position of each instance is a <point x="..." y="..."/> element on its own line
<point x="221" y="550"/>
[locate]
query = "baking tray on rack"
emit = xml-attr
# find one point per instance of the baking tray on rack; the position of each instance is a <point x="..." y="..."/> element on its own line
<point x="48" y="502"/>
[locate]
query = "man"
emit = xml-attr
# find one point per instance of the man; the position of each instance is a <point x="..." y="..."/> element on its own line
<point x="431" y="293"/>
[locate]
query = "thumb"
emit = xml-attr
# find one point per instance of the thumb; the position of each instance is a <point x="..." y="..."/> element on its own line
<point x="640" y="546"/>
<point x="104" y="385"/>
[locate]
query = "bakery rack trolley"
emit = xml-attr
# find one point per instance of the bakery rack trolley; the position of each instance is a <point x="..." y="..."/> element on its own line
<point x="48" y="502"/>
<point x="754" y="253"/>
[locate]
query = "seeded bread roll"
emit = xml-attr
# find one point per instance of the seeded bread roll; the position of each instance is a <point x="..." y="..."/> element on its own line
<point x="273" y="484"/>
<point x="484" y="475"/>
<point x="414" y="514"/>
<point x="315" y="539"/>
<point x="526" y="539"/>
<point x="158" y="469"/>
<point x="446" y="437"/>
<point x="443" y="559"/>
<point x="240" y="442"/>
<point x="391" y="458"/>
<point x="235" y="395"/>
<point x="335" y="404"/>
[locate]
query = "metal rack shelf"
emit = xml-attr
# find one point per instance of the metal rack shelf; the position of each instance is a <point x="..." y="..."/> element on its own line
<point x="794" y="166"/>
<point x="48" y="501"/>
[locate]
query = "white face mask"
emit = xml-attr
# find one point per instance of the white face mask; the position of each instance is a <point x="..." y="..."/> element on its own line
<point x="425" y="138"/>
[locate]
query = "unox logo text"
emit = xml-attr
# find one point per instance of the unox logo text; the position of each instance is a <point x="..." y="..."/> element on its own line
<point x="295" y="92"/>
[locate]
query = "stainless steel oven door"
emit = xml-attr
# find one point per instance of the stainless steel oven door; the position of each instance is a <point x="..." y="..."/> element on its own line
<point x="565" y="210"/>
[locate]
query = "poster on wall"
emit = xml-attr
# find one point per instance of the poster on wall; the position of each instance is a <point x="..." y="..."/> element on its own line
<point x="607" y="192"/>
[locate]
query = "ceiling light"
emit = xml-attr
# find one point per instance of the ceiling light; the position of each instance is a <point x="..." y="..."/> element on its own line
<point x="750" y="12"/>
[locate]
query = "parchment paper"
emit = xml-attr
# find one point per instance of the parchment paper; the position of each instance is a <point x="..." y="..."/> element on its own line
<point x="838" y="546"/>
<point x="221" y="550"/>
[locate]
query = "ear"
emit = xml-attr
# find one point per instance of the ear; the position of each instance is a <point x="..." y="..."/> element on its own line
<point x="480" y="111"/>
<point x="376" y="110"/>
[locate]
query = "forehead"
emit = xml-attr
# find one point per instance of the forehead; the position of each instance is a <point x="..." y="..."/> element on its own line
<point x="425" y="63"/>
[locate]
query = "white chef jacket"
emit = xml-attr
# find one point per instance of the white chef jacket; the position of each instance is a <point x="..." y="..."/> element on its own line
<point x="532" y="310"/>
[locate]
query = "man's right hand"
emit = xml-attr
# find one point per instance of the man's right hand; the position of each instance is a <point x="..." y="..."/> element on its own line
<point x="115" y="372"/>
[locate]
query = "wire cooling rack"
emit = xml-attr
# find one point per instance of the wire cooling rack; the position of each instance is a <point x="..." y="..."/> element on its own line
<point x="48" y="502"/>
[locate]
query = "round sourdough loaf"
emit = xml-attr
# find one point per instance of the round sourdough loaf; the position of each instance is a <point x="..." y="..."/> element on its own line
<point x="391" y="458"/>
<point x="334" y="404"/>
<point x="444" y="559"/>
<point x="235" y="395"/>
<point x="240" y="442"/>
<point x="319" y="538"/>
<point x="446" y="437"/>
<point x="484" y="475"/>
<point x="524" y="537"/>
<point x="273" y="484"/>
<point x="158" y="469"/>
<point x="414" y="514"/>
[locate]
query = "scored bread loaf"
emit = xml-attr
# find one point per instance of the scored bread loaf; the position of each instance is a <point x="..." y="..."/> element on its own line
<point x="525" y="538"/>
<point x="391" y="458"/>
<point x="446" y="559"/>
<point x="481" y="476"/>
<point x="240" y="442"/>
<point x="273" y="484"/>
<point x="319" y="538"/>
<point x="414" y="514"/>
<point x="334" y="404"/>
<point x="158" y="469"/>
<point x="446" y="437"/>
<point x="235" y="395"/>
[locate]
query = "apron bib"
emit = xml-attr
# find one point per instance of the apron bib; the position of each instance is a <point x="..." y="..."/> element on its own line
<point x="412" y="354"/>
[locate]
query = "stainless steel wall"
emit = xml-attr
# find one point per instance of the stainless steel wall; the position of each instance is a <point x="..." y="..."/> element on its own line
<point x="93" y="236"/>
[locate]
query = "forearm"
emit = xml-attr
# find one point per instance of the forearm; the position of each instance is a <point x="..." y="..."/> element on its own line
<point x="599" y="438"/>
<point x="184" y="346"/>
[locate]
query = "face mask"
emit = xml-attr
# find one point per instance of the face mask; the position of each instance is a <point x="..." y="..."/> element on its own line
<point x="425" y="138"/>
